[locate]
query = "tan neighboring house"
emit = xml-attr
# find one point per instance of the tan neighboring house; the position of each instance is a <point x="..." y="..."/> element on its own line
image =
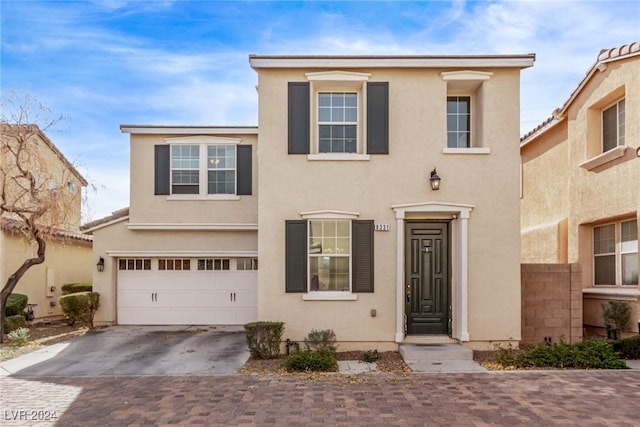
<point x="68" y="256"/>
<point x="581" y="187"/>
<point x="334" y="194"/>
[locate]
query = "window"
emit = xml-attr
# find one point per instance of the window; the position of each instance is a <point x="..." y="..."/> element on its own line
<point x="220" y="169"/>
<point x="203" y="167"/>
<point x="337" y="122"/>
<point x="134" y="264"/>
<point x="629" y="252"/>
<point x="185" y="164"/>
<point x="330" y="114"/>
<point x="613" y="126"/>
<point x="174" y="264"/>
<point x="329" y="255"/>
<point x="458" y="121"/>
<point x="615" y="252"/>
<point x="247" y="264"/>
<point x="329" y="259"/>
<point x="221" y="173"/>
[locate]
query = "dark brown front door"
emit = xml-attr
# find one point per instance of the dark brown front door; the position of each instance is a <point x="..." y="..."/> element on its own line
<point x="427" y="293"/>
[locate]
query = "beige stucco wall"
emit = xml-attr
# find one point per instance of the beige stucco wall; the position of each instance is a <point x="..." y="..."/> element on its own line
<point x="52" y="172"/>
<point x="65" y="262"/>
<point x="556" y="188"/>
<point x="291" y="184"/>
<point x="145" y="207"/>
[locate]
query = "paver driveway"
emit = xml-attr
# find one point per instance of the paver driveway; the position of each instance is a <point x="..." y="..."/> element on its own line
<point x="530" y="398"/>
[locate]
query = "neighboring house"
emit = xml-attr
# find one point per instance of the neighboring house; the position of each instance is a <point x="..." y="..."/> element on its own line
<point x="337" y="204"/>
<point x="68" y="256"/>
<point x="581" y="185"/>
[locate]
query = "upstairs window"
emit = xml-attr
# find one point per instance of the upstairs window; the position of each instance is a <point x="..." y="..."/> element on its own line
<point x="613" y="126"/>
<point x="203" y="167"/>
<point x="337" y="122"/>
<point x="221" y="169"/>
<point x="338" y="115"/>
<point x="458" y="121"/>
<point x="185" y="169"/>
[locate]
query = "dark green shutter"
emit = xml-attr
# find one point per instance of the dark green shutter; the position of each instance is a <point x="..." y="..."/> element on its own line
<point x="299" y="117"/>
<point x="244" y="170"/>
<point x="162" y="169"/>
<point x="378" y="118"/>
<point x="296" y="255"/>
<point x="362" y="263"/>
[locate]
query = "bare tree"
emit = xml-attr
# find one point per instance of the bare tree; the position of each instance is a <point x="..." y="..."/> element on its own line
<point x="38" y="195"/>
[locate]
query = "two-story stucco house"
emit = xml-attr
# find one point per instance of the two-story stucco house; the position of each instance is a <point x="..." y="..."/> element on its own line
<point x="68" y="256"/>
<point x="380" y="195"/>
<point x="581" y="184"/>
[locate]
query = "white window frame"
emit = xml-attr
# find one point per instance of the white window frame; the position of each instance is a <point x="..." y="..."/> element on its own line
<point x="203" y="170"/>
<point x="619" y="250"/>
<point x="338" y="82"/>
<point x="619" y="127"/>
<point x="344" y="122"/>
<point x="330" y="215"/>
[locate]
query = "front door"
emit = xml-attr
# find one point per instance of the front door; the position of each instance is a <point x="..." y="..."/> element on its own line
<point x="427" y="293"/>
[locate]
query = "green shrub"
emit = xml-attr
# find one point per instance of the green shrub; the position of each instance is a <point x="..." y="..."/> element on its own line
<point x="316" y="361"/>
<point x="321" y="340"/>
<point x="18" y="337"/>
<point x="370" y="356"/>
<point x="16" y="303"/>
<point x="263" y="339"/>
<point x="11" y="323"/>
<point x="591" y="354"/>
<point x="81" y="306"/>
<point x="629" y="348"/>
<point x="72" y="288"/>
<point x="617" y="315"/>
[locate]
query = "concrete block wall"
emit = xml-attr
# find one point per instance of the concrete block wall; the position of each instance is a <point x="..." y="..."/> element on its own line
<point x="551" y="303"/>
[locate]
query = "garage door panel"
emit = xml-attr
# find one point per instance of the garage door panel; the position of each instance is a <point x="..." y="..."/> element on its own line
<point x="153" y="297"/>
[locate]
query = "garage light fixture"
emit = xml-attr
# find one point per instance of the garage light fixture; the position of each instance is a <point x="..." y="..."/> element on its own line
<point x="100" y="265"/>
<point x="434" y="180"/>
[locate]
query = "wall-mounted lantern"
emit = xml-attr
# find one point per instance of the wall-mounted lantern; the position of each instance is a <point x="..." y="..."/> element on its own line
<point x="100" y="265"/>
<point x="434" y="180"/>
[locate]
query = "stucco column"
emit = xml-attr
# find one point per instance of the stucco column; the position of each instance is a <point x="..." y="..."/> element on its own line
<point x="463" y="277"/>
<point x="399" y="276"/>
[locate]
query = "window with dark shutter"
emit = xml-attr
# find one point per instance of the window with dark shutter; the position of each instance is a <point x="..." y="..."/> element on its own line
<point x="378" y="118"/>
<point x="362" y="252"/>
<point x="244" y="170"/>
<point x="299" y="117"/>
<point x="162" y="169"/>
<point x="296" y="255"/>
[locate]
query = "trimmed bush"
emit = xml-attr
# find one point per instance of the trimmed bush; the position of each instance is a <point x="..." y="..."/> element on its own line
<point x="263" y="339"/>
<point x="321" y="340"/>
<point x="72" y="288"/>
<point x="80" y="306"/>
<point x="16" y="303"/>
<point x="315" y="361"/>
<point x="629" y="348"/>
<point x="591" y="354"/>
<point x="11" y="323"/>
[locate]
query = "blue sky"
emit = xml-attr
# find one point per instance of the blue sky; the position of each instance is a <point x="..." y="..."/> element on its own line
<point x="113" y="62"/>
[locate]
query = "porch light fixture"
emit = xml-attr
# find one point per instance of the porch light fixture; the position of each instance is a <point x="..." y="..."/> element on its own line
<point x="100" y="265"/>
<point x="434" y="180"/>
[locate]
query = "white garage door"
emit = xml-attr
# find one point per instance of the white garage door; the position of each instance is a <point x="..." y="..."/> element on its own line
<point x="187" y="291"/>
